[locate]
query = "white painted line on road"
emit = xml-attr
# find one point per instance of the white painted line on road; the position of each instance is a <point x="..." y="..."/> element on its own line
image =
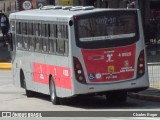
<point x="5" y="76"/>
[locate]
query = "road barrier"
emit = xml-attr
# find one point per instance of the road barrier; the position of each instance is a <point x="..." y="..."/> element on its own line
<point x="7" y="66"/>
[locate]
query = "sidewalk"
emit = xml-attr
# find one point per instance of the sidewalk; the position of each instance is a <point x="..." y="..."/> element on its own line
<point x="150" y="94"/>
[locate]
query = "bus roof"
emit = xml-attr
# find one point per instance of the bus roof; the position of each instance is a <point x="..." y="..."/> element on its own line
<point x="41" y="14"/>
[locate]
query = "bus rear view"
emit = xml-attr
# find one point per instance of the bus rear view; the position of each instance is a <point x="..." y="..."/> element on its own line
<point x="69" y="51"/>
<point x="110" y="54"/>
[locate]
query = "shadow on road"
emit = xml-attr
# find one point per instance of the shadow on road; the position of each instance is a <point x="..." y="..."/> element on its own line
<point x="93" y="102"/>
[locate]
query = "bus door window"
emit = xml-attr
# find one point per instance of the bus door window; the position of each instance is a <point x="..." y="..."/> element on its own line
<point x="37" y="33"/>
<point x="31" y="37"/>
<point x="25" y="35"/>
<point x="45" y="36"/>
<point x="18" y="35"/>
<point x="52" y="38"/>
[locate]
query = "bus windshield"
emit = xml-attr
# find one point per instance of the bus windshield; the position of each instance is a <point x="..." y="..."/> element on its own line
<point x="107" y="27"/>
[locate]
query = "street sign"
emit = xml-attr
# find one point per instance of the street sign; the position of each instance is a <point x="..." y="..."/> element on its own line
<point x="40" y="4"/>
<point x="27" y="5"/>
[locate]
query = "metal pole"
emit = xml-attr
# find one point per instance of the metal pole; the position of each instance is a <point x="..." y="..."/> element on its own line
<point x="4" y="7"/>
<point x="15" y="6"/>
<point x="10" y="7"/>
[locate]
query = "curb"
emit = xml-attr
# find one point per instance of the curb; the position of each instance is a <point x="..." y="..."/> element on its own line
<point x="152" y="98"/>
<point x="5" y="66"/>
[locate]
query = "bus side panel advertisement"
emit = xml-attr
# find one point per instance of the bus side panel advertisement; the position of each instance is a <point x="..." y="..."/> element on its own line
<point x="61" y="75"/>
<point x="110" y="64"/>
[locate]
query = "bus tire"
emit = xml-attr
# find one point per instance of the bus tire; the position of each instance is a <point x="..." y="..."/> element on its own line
<point x="54" y="99"/>
<point x="116" y="97"/>
<point x="28" y="92"/>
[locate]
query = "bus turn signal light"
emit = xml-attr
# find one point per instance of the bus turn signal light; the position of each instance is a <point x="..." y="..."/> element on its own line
<point x="79" y="74"/>
<point x="141" y="64"/>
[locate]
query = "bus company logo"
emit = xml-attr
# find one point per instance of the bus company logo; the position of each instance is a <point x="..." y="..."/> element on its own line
<point x="109" y="58"/>
<point x="111" y="68"/>
<point x="91" y="76"/>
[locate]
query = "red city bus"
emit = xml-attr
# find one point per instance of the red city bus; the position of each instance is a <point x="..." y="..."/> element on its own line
<point x="70" y="51"/>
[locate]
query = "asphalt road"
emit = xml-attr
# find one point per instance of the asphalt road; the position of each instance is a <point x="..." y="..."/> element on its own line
<point x="14" y="99"/>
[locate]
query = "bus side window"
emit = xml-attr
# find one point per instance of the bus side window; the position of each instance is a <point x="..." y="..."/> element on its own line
<point x="25" y="35"/>
<point x="18" y="26"/>
<point x="62" y="40"/>
<point x="52" y="38"/>
<point x="44" y="37"/>
<point x="30" y="28"/>
<point x="37" y="33"/>
<point x="52" y="45"/>
<point x="18" y="35"/>
<point x="24" y="28"/>
<point x="60" y="46"/>
<point x="31" y="38"/>
<point x="53" y="30"/>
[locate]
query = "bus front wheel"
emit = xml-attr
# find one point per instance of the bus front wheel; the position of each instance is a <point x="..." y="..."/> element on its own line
<point x="54" y="99"/>
<point x="116" y="97"/>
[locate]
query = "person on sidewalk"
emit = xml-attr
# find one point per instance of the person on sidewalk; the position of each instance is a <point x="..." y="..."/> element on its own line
<point x="4" y="26"/>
